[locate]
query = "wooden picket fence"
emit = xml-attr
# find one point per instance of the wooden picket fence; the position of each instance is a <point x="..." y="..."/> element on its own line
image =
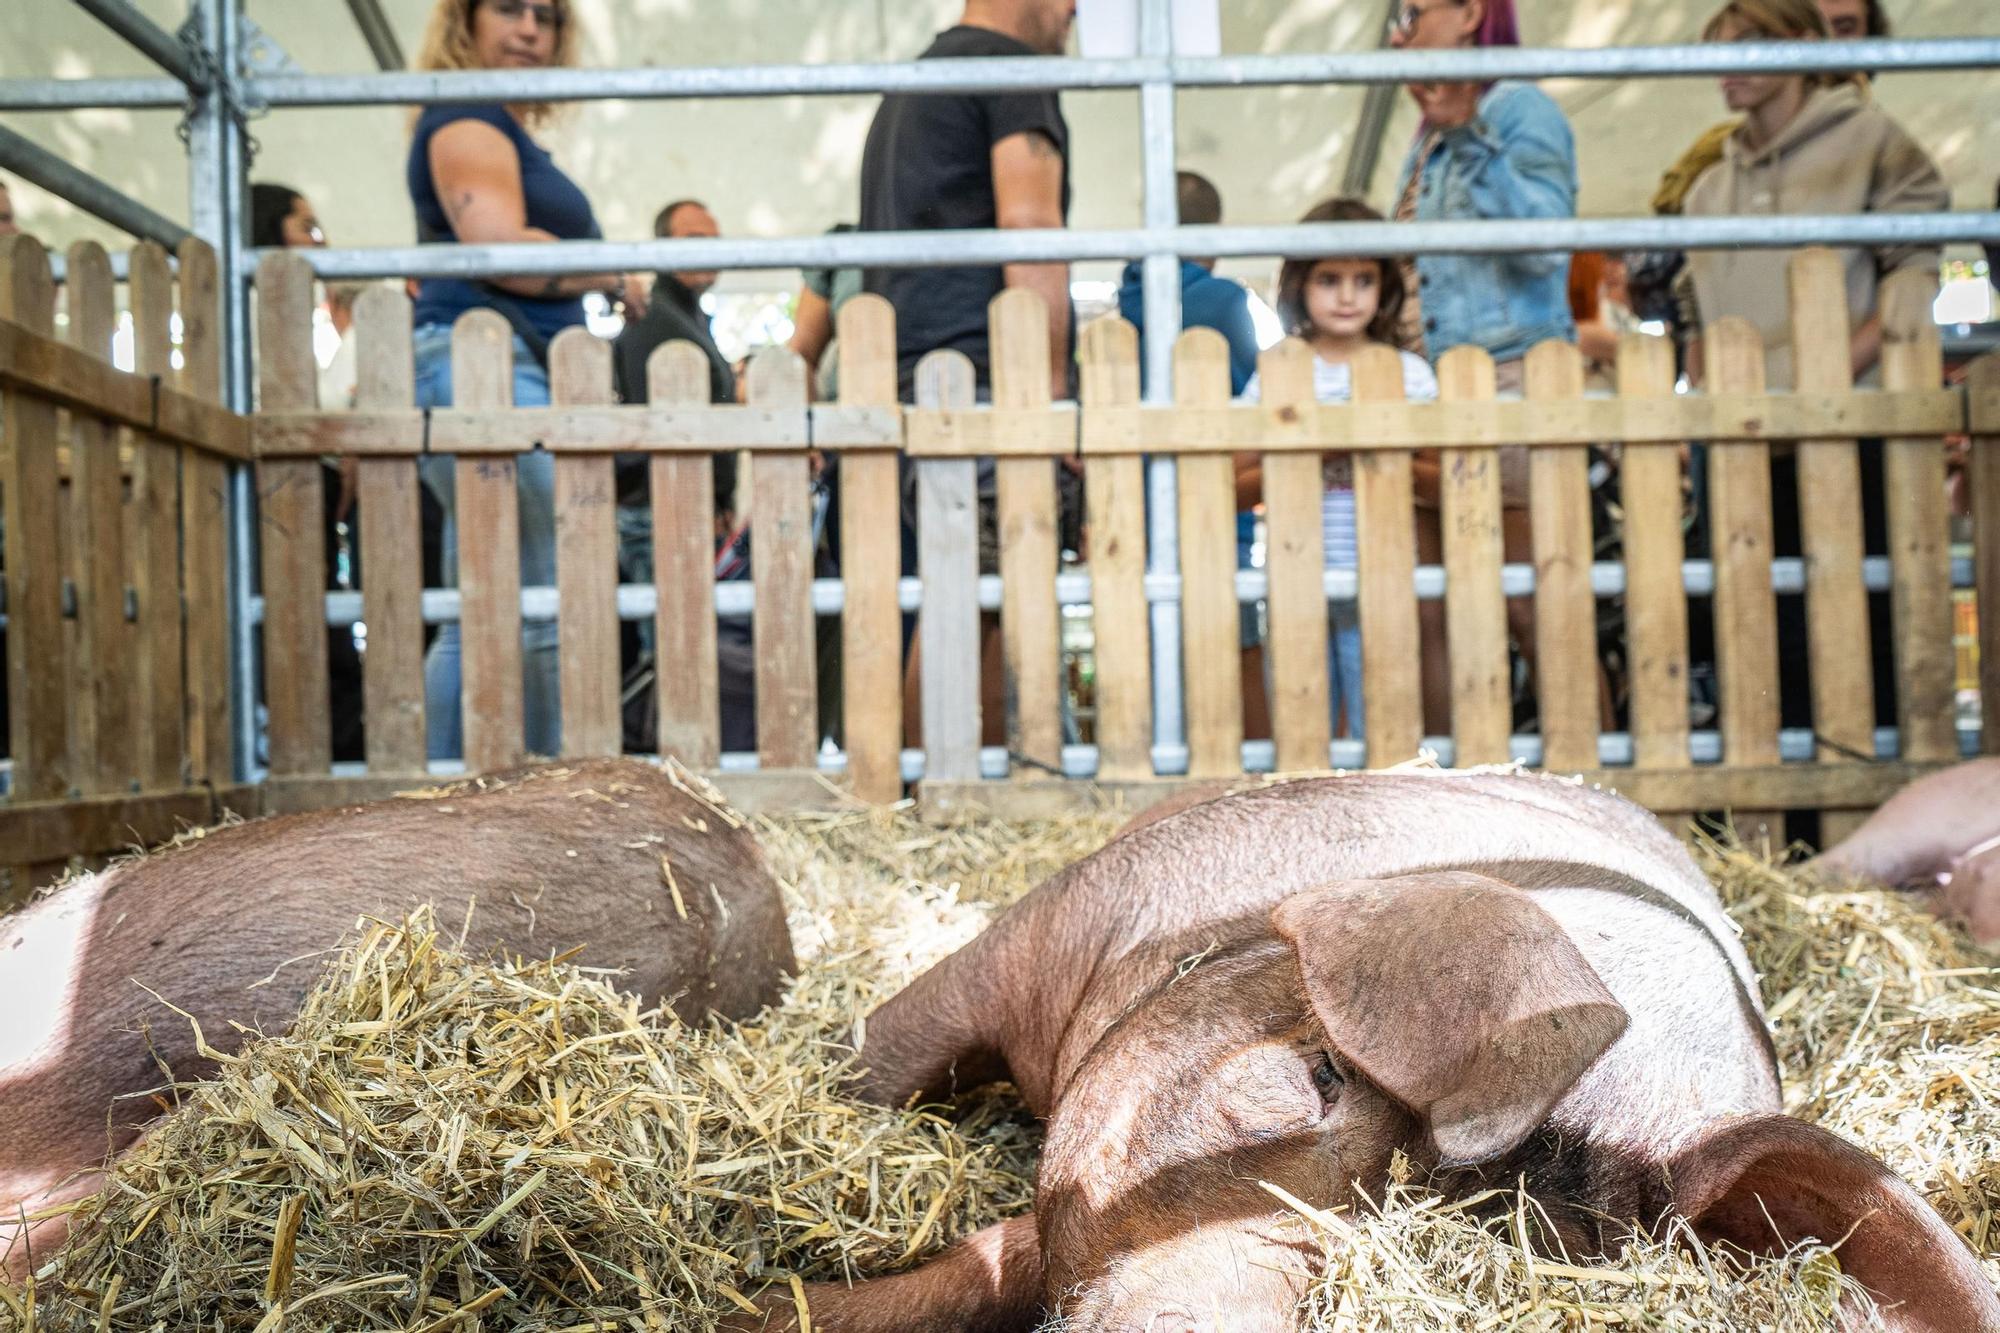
<point x="1108" y="435"/>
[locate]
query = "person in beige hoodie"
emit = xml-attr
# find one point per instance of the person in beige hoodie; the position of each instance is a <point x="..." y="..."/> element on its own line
<point x="1807" y="144"/>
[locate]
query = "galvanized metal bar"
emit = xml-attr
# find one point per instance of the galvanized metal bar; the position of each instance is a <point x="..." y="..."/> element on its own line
<point x="151" y="40"/>
<point x="378" y="32"/>
<point x="1014" y="74"/>
<point x="936" y="248"/>
<point x="1161" y="291"/>
<point x="84" y="94"/>
<point x="1364" y="153"/>
<point x="32" y="162"/>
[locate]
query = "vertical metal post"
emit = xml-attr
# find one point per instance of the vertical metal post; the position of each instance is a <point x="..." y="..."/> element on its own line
<point x="1162" y="292"/>
<point x="217" y="189"/>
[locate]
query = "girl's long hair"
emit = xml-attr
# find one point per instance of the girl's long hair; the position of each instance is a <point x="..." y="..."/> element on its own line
<point x="448" y="45"/>
<point x="1292" y="276"/>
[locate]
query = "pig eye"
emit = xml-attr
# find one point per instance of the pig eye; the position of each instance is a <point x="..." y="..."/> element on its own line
<point x="1326" y="1078"/>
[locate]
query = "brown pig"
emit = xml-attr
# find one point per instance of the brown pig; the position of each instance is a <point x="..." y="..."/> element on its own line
<point x="231" y="928"/>
<point x="1504" y="977"/>
<point x="1941" y="834"/>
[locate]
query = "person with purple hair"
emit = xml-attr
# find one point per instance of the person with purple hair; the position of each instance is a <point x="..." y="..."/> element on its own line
<point x="1484" y="150"/>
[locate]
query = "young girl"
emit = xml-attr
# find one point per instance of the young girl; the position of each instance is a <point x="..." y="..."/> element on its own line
<point x="1339" y="307"/>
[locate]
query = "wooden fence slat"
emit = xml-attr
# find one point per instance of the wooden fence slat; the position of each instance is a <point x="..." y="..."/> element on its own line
<point x="1746" y="641"/>
<point x="1984" y="480"/>
<point x="290" y="508"/>
<point x="1385" y="532"/>
<point x="153" y="538"/>
<point x="1565" y="610"/>
<point x="871" y="622"/>
<point x="1475" y="611"/>
<point x="1919" y="530"/>
<point x="389" y="499"/>
<point x="1301" y="718"/>
<point x="488" y="512"/>
<point x="781" y="564"/>
<point x="103" y="739"/>
<point x="948" y="563"/>
<point x="1211" y="653"/>
<point x="586" y="557"/>
<point x="37" y="680"/>
<point x="1030" y="622"/>
<point x="1656" y="613"/>
<point x="205" y="531"/>
<point x="1115" y="496"/>
<point x="683" y="491"/>
<point x="1829" y="500"/>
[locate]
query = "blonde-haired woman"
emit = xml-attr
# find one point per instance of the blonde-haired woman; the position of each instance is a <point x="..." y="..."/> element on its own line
<point x="1807" y="144"/>
<point x="476" y="176"/>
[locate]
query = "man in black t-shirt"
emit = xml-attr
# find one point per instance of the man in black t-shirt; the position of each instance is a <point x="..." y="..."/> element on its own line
<point x="958" y="161"/>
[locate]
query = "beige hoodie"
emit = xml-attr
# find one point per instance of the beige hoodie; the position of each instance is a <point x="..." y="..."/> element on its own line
<point x="1840" y="154"/>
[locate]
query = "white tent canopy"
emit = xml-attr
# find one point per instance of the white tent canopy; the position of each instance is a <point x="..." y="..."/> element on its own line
<point x="789" y="166"/>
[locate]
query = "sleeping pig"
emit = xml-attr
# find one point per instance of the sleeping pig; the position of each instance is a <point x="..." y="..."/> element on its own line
<point x="1503" y="977"/>
<point x="231" y="928"/>
<point x="1940" y="834"/>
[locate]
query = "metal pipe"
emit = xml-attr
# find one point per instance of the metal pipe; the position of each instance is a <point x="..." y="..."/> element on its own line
<point x="84" y="94"/>
<point x="154" y="42"/>
<point x="1364" y="154"/>
<point x="32" y="162"/>
<point x="936" y="248"/>
<point x="378" y="32"/>
<point x="1035" y="73"/>
<point x="1161" y="291"/>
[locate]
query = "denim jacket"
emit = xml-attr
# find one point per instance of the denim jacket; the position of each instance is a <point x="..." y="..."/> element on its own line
<point x="1514" y="159"/>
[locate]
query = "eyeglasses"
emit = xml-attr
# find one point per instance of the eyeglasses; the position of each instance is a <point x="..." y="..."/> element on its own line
<point x="546" y="16"/>
<point x="1409" y="16"/>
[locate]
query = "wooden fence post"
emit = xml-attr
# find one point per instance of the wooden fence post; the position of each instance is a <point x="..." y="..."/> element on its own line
<point x="1983" y="383"/>
<point x="586" y="557"/>
<point x="1566" y="671"/>
<point x="1746" y="642"/>
<point x="1385" y="529"/>
<point x="205" y="532"/>
<point x="103" y="739"/>
<point x="1301" y="713"/>
<point x="154" y="539"/>
<point x="1829" y="500"/>
<point x="1030" y="622"/>
<point x="1115" y="493"/>
<point x="683" y="496"/>
<point x="948" y="562"/>
<point x="1475" y="610"/>
<point x="1919" y="530"/>
<point x="1211" y="650"/>
<point x="1656" y="611"/>
<point x="389" y="494"/>
<point x="291" y="510"/>
<point x="781" y="561"/>
<point x="871" y="622"/>
<point x="487" y="508"/>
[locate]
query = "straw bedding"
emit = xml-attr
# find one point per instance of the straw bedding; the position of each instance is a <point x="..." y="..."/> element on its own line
<point x="443" y="1144"/>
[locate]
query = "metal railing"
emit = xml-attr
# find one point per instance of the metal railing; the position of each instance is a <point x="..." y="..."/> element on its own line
<point x="207" y="79"/>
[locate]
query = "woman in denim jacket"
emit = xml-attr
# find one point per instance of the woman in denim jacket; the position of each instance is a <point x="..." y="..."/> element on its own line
<point x="1498" y="150"/>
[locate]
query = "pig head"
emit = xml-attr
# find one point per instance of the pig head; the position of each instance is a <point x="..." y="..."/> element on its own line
<point x="1502" y="978"/>
<point x="231" y="929"/>
<point x="1939" y="834"/>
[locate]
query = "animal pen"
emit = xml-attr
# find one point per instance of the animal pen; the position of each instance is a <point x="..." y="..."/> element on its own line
<point x="166" y="579"/>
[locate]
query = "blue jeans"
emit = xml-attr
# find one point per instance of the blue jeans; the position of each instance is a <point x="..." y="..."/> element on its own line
<point x="535" y="474"/>
<point x="1343" y="663"/>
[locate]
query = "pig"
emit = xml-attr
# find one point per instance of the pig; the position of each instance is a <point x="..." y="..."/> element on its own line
<point x="1503" y="977"/>
<point x="232" y="927"/>
<point x="1941" y="834"/>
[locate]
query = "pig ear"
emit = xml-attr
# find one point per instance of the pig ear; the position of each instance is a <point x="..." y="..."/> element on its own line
<point x="1455" y="994"/>
<point x="1765" y="1183"/>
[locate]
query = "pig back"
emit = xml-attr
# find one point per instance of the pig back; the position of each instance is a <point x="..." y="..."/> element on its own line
<point x="612" y="857"/>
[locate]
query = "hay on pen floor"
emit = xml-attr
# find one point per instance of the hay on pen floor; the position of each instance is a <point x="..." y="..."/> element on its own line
<point x="443" y="1144"/>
